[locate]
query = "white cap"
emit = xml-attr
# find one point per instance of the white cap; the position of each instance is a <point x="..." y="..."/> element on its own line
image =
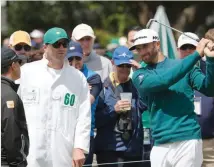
<point x="81" y="31"/>
<point x="122" y="41"/>
<point x="144" y="36"/>
<point x="183" y="39"/>
<point x="36" y="34"/>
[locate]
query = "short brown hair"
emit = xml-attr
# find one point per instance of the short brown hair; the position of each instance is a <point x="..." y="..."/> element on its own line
<point x="210" y="34"/>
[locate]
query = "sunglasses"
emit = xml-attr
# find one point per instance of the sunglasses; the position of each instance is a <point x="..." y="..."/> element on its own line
<point x="125" y="66"/>
<point x="75" y="57"/>
<point x="190" y="47"/>
<point x="58" y="44"/>
<point x="20" y="47"/>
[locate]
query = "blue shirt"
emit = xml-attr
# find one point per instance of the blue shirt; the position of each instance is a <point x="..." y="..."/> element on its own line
<point x="93" y="80"/>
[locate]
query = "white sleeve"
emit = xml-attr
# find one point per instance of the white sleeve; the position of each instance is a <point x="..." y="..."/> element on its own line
<point x="83" y="126"/>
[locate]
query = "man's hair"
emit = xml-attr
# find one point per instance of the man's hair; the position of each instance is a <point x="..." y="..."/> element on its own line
<point x="5" y="70"/>
<point x="210" y="34"/>
<point x="134" y="28"/>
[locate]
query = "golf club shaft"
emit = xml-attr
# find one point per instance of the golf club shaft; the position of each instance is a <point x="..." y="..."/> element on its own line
<point x="151" y="20"/>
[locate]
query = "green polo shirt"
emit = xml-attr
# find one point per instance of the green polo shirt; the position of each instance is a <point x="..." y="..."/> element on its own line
<point x="168" y="90"/>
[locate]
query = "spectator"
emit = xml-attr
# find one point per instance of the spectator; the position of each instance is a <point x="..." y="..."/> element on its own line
<point x="14" y="134"/>
<point x="35" y="55"/>
<point x="75" y="57"/>
<point x="186" y="45"/>
<point x="207" y="119"/>
<point x="57" y="106"/>
<point x="119" y="130"/>
<point x="6" y="43"/>
<point x="137" y="62"/>
<point x="20" y="42"/>
<point x="84" y="34"/>
<point x="37" y="39"/>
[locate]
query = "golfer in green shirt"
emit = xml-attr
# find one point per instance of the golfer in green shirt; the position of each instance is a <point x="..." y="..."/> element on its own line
<point x="167" y="87"/>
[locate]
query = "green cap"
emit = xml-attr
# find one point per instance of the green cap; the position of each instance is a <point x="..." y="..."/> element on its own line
<point x="54" y="34"/>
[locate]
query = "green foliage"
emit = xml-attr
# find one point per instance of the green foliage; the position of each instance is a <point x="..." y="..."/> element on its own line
<point x="109" y="19"/>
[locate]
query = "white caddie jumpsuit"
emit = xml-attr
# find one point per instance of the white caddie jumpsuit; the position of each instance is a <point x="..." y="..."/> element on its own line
<point x="57" y="109"/>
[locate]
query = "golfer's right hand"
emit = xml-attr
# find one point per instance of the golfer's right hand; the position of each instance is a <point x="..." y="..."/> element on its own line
<point x="201" y="45"/>
<point x="120" y="105"/>
<point x="209" y="49"/>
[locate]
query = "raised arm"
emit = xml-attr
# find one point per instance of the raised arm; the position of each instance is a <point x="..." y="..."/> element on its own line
<point x="154" y="81"/>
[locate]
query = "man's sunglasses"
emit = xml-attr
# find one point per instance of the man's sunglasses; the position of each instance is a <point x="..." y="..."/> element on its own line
<point x="58" y="44"/>
<point x="75" y="57"/>
<point x="20" y="47"/>
<point x="188" y="46"/>
<point x="125" y="66"/>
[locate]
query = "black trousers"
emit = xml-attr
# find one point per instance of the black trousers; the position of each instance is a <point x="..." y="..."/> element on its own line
<point x="89" y="157"/>
<point x="116" y="156"/>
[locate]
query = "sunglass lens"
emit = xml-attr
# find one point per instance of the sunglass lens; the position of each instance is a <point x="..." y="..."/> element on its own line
<point x="65" y="44"/>
<point x="70" y="59"/>
<point x="27" y="48"/>
<point x="125" y="65"/>
<point x="75" y="57"/>
<point x="58" y="44"/>
<point x="78" y="58"/>
<point x="18" y="47"/>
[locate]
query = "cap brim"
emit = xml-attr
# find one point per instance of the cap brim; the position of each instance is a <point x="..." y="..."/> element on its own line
<point x="132" y="47"/>
<point x="17" y="42"/>
<point x="119" y="62"/>
<point x="75" y="54"/>
<point x="57" y="39"/>
<point x="83" y="35"/>
<point x="140" y="42"/>
<point x="194" y="43"/>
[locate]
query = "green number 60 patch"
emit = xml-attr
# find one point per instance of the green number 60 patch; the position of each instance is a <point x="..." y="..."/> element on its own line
<point x="69" y="99"/>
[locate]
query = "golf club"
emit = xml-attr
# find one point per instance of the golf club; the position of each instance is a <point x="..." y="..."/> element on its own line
<point x="153" y="20"/>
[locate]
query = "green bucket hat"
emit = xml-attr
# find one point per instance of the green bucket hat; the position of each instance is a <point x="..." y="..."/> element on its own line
<point x="54" y="34"/>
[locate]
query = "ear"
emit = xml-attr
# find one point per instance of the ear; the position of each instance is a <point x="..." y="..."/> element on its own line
<point x="13" y="66"/>
<point x="45" y="47"/>
<point x="158" y="44"/>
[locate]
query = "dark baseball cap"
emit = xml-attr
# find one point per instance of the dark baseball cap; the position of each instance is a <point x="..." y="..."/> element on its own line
<point x="8" y="56"/>
<point x="74" y="49"/>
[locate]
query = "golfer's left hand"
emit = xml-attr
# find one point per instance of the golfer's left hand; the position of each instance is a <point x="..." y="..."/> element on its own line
<point x="135" y="64"/>
<point x="78" y="158"/>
